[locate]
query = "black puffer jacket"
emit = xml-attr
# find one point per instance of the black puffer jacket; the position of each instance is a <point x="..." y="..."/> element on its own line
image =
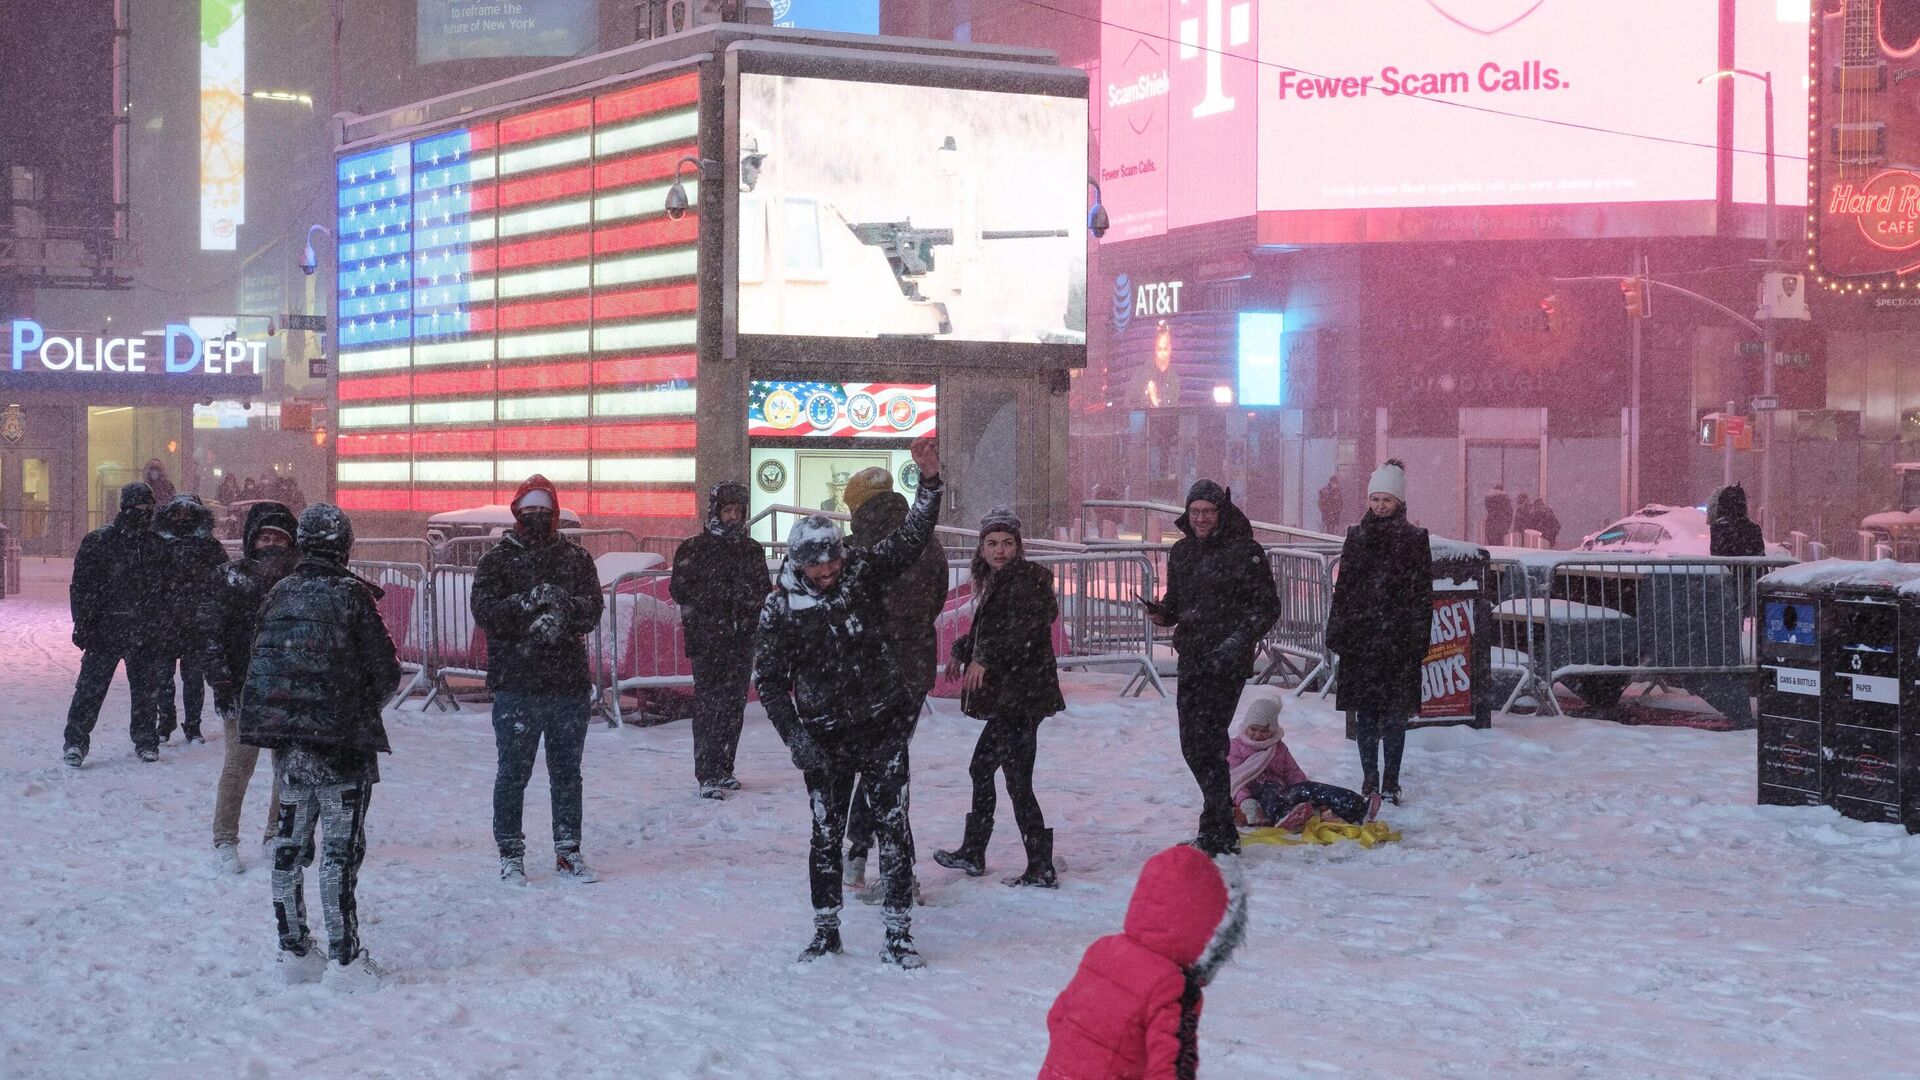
<point x="1729" y="530"/>
<point x="1381" y="618"/>
<point x="229" y="614"/>
<point x="914" y="599"/>
<point x="720" y="580"/>
<point x="1220" y="594"/>
<point x="119" y="579"/>
<point x="823" y="663"/>
<point x="1012" y="636"/>
<point x="535" y="648"/>
<point x="322" y="663"/>
<point x="193" y="562"/>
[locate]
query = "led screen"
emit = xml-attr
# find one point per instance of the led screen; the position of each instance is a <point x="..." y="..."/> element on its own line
<point x="844" y="16"/>
<point x="483" y="29"/>
<point x="876" y="210"/>
<point x="513" y="299"/>
<point x="1437" y="119"/>
<point x="1263" y="369"/>
<point x="223" y="123"/>
<point x="840" y="410"/>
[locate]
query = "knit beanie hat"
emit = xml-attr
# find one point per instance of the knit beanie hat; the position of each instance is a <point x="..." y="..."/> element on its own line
<point x="864" y="485"/>
<point x="1000" y="519"/>
<point x="813" y="540"/>
<point x="1389" y="479"/>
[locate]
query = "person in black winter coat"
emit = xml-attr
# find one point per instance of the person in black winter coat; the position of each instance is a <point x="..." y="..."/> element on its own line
<point x="1499" y="511"/>
<point x="720" y="581"/>
<point x="321" y="668"/>
<point x="193" y="562"/>
<point x="228" y="617"/>
<point x="1220" y="601"/>
<point x="536" y="595"/>
<point x="156" y="478"/>
<point x="118" y="575"/>
<point x="1729" y="530"/>
<point x="1380" y="623"/>
<point x="913" y="603"/>
<point x="827" y="678"/>
<point x="1006" y="666"/>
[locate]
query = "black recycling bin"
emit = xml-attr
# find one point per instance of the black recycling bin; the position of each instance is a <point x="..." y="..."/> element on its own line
<point x="1789" y="736"/>
<point x="1868" y="637"/>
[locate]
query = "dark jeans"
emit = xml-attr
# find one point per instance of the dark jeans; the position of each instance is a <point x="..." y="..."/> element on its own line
<point x="880" y="760"/>
<point x="719" y="703"/>
<point x="193" y="694"/>
<point x="519" y="722"/>
<point x="1375" y="728"/>
<point x="144" y="682"/>
<point x="860" y="815"/>
<point x="1277" y="798"/>
<point x="1007" y="744"/>
<point x="1206" y="702"/>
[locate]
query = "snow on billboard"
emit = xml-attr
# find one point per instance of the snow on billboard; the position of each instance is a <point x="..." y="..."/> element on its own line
<point x="886" y="210"/>
<point x="1435" y="119"/>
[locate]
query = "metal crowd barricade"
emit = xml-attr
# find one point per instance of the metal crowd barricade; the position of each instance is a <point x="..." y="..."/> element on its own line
<point x="640" y="644"/>
<point x="1601" y="623"/>
<point x="1104" y="623"/>
<point x="1296" y="647"/>
<point x="459" y="646"/>
<point x="406" y="609"/>
<point x="663" y="546"/>
<point x="397" y="549"/>
<point x="598" y="542"/>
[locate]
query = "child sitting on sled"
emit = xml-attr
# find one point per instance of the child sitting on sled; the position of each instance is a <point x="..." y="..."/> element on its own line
<point x="1270" y="788"/>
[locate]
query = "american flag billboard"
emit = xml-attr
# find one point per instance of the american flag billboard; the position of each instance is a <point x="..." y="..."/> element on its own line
<point x="513" y="299"/>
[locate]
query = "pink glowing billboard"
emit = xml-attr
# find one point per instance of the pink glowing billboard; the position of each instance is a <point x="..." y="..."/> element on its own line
<point x="1436" y="119"/>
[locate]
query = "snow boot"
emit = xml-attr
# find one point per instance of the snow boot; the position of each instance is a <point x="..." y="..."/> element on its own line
<point x="855" y="876"/>
<point x="193" y="736"/>
<point x="729" y="782"/>
<point x="1392" y="793"/>
<point x="513" y="870"/>
<point x="713" y="790"/>
<point x="357" y="974"/>
<point x="1039" y="862"/>
<point x="226" y="858"/>
<point x="826" y="938"/>
<point x="148" y="754"/>
<point x="302" y="967"/>
<point x="72" y="756"/>
<point x="572" y="864"/>
<point x="899" y="950"/>
<point x="1252" y="814"/>
<point x="1298" y="817"/>
<point x="971" y="856"/>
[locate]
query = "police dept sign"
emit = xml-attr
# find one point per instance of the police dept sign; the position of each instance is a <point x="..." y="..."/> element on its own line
<point x="178" y="350"/>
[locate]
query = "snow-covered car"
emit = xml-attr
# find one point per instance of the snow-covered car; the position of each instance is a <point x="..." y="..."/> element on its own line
<point x="1661" y="530"/>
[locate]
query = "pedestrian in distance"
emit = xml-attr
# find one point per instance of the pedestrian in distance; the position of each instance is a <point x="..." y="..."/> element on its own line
<point x="1522" y="516"/>
<point x="1008" y="679"/>
<point x="1333" y="509"/>
<point x="1380" y="623"/>
<point x="1729" y="531"/>
<point x="1547" y="522"/>
<point x="1499" y="514"/>
<point x="1132" y="1010"/>
<point x="229" y="491"/>
<point x="156" y="478"/>
<point x="249" y="489"/>
<point x="118" y="576"/>
<point x="321" y="668"/>
<point x="913" y="603"/>
<point x="720" y="581"/>
<point x="228" y="618"/>
<point x="1220" y="601"/>
<point x="193" y="561"/>
<point x="1270" y="787"/>
<point x="827" y="677"/>
<point x="536" y="595"/>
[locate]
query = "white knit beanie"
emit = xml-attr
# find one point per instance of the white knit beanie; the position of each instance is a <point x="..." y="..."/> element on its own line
<point x="1262" y="709"/>
<point x="1389" y="479"/>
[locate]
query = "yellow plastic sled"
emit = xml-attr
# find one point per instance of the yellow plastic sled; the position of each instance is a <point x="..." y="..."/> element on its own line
<point x="1321" y="831"/>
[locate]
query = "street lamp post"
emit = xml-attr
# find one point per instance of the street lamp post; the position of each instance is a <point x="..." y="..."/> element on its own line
<point x="1766" y="335"/>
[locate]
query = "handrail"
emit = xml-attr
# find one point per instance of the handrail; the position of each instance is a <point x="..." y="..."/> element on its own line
<point x="1147" y="506"/>
<point x="971" y="535"/>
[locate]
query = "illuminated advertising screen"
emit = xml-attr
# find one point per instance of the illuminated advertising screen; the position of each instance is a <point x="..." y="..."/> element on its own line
<point x="843" y="16"/>
<point x="513" y="299"/>
<point x="223" y="123"/>
<point x="485" y="29"/>
<point x="840" y="410"/>
<point x="1437" y="119"/>
<point x="873" y="210"/>
<point x="1864" y="204"/>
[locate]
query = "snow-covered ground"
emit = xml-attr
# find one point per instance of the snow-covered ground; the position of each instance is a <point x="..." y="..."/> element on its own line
<point x="1572" y="898"/>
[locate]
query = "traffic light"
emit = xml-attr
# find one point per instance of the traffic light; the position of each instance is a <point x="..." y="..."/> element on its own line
<point x="1552" y="316"/>
<point x="1717" y="429"/>
<point x="1633" y="291"/>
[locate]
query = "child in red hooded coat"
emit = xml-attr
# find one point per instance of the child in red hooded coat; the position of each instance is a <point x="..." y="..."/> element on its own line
<point x="1132" y="1011"/>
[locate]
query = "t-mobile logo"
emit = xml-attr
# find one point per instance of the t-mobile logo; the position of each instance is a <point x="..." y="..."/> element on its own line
<point x="1235" y="29"/>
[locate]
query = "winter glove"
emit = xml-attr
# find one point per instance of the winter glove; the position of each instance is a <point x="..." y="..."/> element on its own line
<point x="807" y="754"/>
<point x="548" y="596"/>
<point x="550" y="627"/>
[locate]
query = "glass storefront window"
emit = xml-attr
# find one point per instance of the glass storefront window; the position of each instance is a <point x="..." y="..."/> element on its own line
<point x="121" y="439"/>
<point x="36" y="496"/>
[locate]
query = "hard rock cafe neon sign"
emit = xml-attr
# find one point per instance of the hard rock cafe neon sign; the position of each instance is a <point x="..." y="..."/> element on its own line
<point x="1885" y="208"/>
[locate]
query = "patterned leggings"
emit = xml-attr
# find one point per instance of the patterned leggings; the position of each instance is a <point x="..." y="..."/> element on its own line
<point x="340" y="812"/>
